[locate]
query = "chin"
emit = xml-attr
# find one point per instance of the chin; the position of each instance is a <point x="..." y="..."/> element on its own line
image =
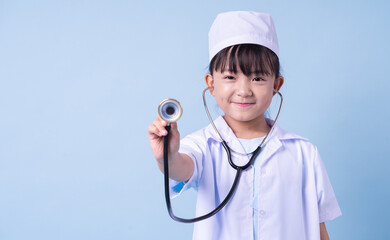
<point x="245" y="118"/>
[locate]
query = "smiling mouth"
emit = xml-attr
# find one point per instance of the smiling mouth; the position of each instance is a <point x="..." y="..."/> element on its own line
<point x="243" y="104"/>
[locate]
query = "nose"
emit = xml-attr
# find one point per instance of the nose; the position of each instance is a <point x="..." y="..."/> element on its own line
<point x="244" y="88"/>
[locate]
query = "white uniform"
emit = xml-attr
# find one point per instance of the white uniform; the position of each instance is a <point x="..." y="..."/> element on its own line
<point x="294" y="191"/>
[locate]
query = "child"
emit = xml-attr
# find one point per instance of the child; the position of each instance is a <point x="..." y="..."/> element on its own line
<point x="285" y="193"/>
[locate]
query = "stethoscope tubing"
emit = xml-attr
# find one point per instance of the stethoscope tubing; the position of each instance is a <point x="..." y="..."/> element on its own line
<point x="239" y="169"/>
<point x="167" y="194"/>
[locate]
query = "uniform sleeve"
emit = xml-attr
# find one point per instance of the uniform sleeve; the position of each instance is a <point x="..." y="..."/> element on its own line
<point x="190" y="146"/>
<point x="327" y="204"/>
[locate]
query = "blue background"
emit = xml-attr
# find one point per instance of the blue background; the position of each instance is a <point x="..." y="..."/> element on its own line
<point x="81" y="80"/>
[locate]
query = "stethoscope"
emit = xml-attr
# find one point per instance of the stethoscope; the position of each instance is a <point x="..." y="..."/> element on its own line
<point x="170" y="110"/>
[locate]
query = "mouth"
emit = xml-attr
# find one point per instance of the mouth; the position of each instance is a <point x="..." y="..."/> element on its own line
<point x="243" y="104"/>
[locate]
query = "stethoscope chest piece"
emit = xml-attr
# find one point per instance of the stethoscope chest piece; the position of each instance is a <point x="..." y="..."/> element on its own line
<point x="170" y="110"/>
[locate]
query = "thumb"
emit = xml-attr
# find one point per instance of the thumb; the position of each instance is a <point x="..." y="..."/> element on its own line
<point x="174" y="129"/>
<point x="174" y="138"/>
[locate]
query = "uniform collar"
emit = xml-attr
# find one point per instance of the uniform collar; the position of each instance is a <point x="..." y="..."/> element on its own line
<point x="273" y="141"/>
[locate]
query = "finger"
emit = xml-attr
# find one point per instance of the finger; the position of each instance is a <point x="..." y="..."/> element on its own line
<point x="160" y="127"/>
<point x="153" y="131"/>
<point x="163" y="122"/>
<point x="159" y="122"/>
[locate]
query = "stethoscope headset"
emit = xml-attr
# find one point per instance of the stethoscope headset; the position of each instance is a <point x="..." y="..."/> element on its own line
<point x="170" y="110"/>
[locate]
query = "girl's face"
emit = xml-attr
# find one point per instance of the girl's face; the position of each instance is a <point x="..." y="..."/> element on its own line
<point x="243" y="99"/>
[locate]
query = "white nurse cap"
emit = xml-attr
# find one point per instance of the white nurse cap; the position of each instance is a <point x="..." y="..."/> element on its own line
<point x="239" y="27"/>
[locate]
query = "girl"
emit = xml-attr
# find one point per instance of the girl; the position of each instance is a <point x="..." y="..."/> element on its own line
<point x="285" y="193"/>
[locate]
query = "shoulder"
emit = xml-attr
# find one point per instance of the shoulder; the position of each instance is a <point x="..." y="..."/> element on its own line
<point x="295" y="143"/>
<point x="198" y="139"/>
<point x="197" y="144"/>
<point x="205" y="134"/>
<point x="285" y="136"/>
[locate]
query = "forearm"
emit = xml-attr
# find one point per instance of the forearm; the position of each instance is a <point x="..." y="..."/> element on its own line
<point x="180" y="166"/>
<point x="323" y="232"/>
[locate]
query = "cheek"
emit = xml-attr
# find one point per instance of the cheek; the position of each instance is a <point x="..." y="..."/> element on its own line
<point x="266" y="98"/>
<point x="220" y="92"/>
<point x="270" y="98"/>
<point x="218" y="97"/>
<point x="221" y="99"/>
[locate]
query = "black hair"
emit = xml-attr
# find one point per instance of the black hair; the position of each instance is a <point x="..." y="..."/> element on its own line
<point x="249" y="58"/>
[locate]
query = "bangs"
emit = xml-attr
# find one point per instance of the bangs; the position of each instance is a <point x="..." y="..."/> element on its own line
<point x="247" y="58"/>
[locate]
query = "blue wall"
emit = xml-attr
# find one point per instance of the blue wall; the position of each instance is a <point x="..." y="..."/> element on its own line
<point x="81" y="80"/>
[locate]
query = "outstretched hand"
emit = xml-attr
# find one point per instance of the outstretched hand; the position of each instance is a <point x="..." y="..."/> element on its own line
<point x="156" y="134"/>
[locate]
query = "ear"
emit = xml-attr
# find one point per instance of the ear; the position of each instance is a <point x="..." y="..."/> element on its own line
<point x="209" y="82"/>
<point x="278" y="83"/>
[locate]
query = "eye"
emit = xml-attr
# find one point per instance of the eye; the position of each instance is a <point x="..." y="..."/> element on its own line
<point x="257" y="79"/>
<point x="229" y="77"/>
